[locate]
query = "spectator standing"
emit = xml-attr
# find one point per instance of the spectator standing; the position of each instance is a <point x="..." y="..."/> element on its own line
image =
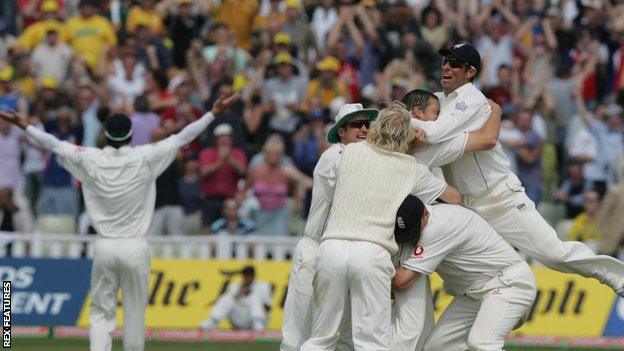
<point x="52" y="57"/>
<point x="184" y="26"/>
<point x="88" y="105"/>
<point x="168" y="213"/>
<point x="221" y="167"/>
<point x="59" y="195"/>
<point x="572" y="189"/>
<point x="270" y="182"/>
<point x="284" y="94"/>
<point x="144" y="122"/>
<point x="611" y="221"/>
<point x="190" y="188"/>
<point x="239" y="15"/>
<point x="90" y="34"/>
<point x="585" y="225"/>
<point x="326" y="87"/>
<point x="528" y="157"/>
<point x="144" y="13"/>
<point x="6" y="41"/>
<point x="36" y="33"/>
<point x="232" y="222"/>
<point x="34" y="166"/>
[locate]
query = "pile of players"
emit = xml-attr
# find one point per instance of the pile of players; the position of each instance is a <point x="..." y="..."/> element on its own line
<point x="380" y="220"/>
<point x="373" y="226"/>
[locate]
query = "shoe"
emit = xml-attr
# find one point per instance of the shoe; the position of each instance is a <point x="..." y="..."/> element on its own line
<point x="207" y="324"/>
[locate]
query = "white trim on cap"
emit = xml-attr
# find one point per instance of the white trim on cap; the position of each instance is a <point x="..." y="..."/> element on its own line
<point x="118" y="139"/>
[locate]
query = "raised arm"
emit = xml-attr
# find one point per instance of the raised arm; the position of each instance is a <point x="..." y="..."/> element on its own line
<point x="48" y="141"/>
<point x="192" y="131"/>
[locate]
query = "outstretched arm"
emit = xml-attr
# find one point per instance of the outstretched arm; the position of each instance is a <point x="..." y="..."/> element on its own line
<point x="192" y="131"/>
<point x="70" y="154"/>
<point x="48" y="141"/>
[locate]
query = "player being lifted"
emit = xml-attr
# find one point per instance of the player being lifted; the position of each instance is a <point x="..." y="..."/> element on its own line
<point x="488" y="186"/>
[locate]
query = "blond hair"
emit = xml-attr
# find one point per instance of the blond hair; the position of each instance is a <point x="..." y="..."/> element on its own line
<point x="391" y="130"/>
<point x="274" y="142"/>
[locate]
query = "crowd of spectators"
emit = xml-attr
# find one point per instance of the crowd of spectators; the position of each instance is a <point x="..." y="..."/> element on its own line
<point x="555" y="66"/>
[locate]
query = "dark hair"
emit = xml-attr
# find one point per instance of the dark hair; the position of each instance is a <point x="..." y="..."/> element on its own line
<point x="430" y="9"/>
<point x="418" y="98"/>
<point x="141" y="104"/>
<point x="118" y="144"/>
<point x="160" y="77"/>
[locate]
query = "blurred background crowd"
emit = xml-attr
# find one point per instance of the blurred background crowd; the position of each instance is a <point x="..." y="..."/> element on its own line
<point x="556" y="67"/>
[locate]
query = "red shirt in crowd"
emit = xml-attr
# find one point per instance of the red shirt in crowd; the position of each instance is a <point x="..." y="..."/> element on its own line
<point x="223" y="181"/>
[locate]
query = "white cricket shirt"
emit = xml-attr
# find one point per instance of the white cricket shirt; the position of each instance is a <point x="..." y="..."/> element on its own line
<point x="119" y="185"/>
<point x="322" y="192"/>
<point x="371" y="184"/>
<point x="467" y="109"/>
<point x="459" y="245"/>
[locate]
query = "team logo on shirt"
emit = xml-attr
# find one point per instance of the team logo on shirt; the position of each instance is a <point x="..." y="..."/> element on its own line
<point x="461" y="106"/>
<point x="418" y="251"/>
<point x="521" y="207"/>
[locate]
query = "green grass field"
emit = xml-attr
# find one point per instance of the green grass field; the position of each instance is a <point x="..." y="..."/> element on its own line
<point x="20" y="344"/>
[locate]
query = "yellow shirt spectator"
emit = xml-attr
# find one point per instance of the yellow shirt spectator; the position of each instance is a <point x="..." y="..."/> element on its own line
<point x="89" y="37"/>
<point x="239" y="15"/>
<point x="137" y="16"/>
<point x="325" y="94"/>
<point x="35" y="33"/>
<point x="584" y="229"/>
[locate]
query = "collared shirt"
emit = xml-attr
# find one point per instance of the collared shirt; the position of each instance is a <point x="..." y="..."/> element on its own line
<point x="467" y="109"/>
<point x="366" y="199"/>
<point x="322" y="192"/>
<point x="119" y="185"/>
<point x="459" y="245"/>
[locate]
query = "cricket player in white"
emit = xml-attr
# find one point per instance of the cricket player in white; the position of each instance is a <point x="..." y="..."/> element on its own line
<point x="493" y="287"/>
<point x="245" y="304"/>
<point x="351" y="125"/>
<point x="488" y="186"/>
<point x="354" y="264"/>
<point x="118" y="184"/>
<point x="413" y="308"/>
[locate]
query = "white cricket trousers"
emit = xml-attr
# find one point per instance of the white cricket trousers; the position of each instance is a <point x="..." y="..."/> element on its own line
<point x="297" y="320"/>
<point x="481" y="320"/>
<point x="119" y="263"/>
<point x="355" y="273"/>
<point x="412" y="316"/>
<point x="245" y="313"/>
<point x="514" y="216"/>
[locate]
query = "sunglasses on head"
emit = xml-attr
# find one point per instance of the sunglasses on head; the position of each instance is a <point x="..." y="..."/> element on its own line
<point x="453" y="62"/>
<point x="358" y="123"/>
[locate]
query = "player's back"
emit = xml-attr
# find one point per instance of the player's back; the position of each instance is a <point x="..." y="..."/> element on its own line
<point x="119" y="185"/>
<point x="475" y="251"/>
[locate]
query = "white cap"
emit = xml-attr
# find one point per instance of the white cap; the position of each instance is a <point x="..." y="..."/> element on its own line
<point x="223" y="129"/>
